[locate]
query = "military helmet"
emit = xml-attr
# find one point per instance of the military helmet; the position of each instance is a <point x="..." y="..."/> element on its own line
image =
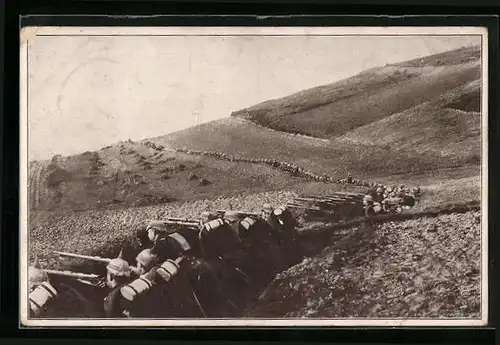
<point x="232" y="215"/>
<point x="267" y="207"/>
<point x="146" y="258"/>
<point x="141" y="233"/>
<point x="36" y="276"/>
<point x="279" y="211"/>
<point x="377" y="207"/>
<point x="119" y="267"/>
<point x="156" y="225"/>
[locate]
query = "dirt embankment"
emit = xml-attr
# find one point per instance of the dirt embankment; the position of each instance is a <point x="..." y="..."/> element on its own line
<point x="104" y="232"/>
<point x="427" y="267"/>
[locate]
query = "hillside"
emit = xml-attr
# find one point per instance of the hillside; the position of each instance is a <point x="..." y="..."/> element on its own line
<point x="427" y="130"/>
<point x="449" y="125"/>
<point x="332" y="110"/>
<point x="439" y="137"/>
<point x="132" y="174"/>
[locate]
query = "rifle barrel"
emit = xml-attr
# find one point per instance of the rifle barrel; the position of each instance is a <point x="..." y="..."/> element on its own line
<point x="85" y="257"/>
<point x="72" y="274"/>
<point x="184" y="223"/>
<point x="172" y="219"/>
<point x="240" y="212"/>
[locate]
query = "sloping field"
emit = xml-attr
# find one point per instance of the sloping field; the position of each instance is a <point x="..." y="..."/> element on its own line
<point x="427" y="267"/>
<point x="331" y="110"/>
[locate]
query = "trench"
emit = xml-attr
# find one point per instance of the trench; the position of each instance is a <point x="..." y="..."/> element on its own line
<point x="312" y="238"/>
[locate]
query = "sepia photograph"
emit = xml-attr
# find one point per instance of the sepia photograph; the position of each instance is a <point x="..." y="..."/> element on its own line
<point x="253" y="176"/>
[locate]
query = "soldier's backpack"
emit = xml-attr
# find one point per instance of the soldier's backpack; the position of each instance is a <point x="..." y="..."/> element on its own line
<point x="40" y="297"/>
<point x="217" y="238"/>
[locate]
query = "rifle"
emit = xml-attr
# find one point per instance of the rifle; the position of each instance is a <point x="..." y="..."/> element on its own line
<point x="243" y="213"/>
<point x="89" y="279"/>
<point x="180" y="221"/>
<point x="72" y="274"/>
<point x="85" y="257"/>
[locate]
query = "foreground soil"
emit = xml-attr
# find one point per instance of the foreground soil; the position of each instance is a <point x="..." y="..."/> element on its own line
<point x="105" y="232"/>
<point x="427" y="267"/>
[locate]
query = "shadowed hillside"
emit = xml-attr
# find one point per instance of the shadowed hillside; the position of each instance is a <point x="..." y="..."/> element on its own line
<point x="332" y="110"/>
<point x="449" y="125"/>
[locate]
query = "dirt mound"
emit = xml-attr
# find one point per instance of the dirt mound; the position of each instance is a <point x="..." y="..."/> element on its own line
<point x="105" y="232"/>
<point x="427" y="267"/>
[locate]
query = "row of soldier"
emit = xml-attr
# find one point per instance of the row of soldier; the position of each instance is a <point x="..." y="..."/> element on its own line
<point x="207" y="268"/>
<point x="154" y="146"/>
<point x="288" y="167"/>
<point x="390" y="199"/>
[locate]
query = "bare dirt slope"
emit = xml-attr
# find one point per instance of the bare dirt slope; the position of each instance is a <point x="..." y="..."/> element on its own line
<point x="428" y="267"/>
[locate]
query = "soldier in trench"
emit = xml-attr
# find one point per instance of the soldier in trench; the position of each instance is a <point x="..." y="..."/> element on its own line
<point x="184" y="241"/>
<point x="118" y="275"/>
<point x="284" y="227"/>
<point x="224" y="248"/>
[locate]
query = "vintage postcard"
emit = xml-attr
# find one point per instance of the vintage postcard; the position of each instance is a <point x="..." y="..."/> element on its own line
<point x="253" y="176"/>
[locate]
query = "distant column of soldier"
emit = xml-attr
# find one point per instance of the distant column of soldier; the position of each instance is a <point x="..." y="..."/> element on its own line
<point x="205" y="268"/>
<point x="284" y="166"/>
<point x="390" y="199"/>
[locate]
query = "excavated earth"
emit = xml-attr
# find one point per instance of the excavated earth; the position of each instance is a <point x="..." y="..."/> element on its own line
<point x="425" y="267"/>
<point x="421" y="267"/>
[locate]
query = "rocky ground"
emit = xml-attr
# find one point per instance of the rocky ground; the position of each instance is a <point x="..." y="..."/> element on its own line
<point x="103" y="232"/>
<point x="427" y="267"/>
<point x="423" y="267"/>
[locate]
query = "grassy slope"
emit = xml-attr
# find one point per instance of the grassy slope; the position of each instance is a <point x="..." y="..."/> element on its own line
<point x="331" y="110"/>
<point x="335" y="157"/>
<point x="448" y="125"/>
